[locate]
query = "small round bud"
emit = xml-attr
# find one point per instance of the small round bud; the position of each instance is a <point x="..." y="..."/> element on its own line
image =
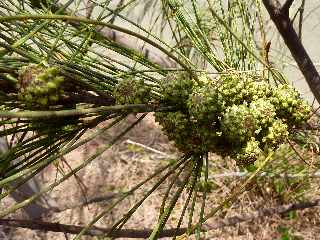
<point x="132" y="91"/>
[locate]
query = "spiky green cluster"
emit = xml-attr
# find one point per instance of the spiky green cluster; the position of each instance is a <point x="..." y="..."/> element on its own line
<point x="289" y="105"/>
<point x="238" y="115"/>
<point x="40" y="86"/>
<point x="132" y="91"/>
<point x="239" y="88"/>
<point x="176" y="88"/>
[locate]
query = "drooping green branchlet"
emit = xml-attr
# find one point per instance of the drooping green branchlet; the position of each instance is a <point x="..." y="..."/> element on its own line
<point x="132" y="91"/>
<point x="40" y="86"/>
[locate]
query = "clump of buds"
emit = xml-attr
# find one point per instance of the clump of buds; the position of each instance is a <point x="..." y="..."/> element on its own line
<point x="238" y="114"/>
<point x="39" y="86"/>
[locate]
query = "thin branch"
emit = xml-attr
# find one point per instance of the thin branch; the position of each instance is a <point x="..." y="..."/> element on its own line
<point x="301" y="10"/>
<point x="107" y="197"/>
<point x="134" y="233"/>
<point x="126" y="41"/>
<point x="297" y="152"/>
<point x="131" y="108"/>
<point x="291" y="39"/>
<point x="149" y="148"/>
<point x="286" y="6"/>
<point x="74" y="229"/>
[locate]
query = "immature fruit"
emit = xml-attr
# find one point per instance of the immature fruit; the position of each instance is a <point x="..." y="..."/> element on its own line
<point x="177" y="127"/>
<point x="187" y="135"/>
<point x="203" y="104"/>
<point x="39" y="86"/>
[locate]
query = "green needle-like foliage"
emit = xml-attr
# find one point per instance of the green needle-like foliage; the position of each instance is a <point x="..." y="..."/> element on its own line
<point x="194" y="63"/>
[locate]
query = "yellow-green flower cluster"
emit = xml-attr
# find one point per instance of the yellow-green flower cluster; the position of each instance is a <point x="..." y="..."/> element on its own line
<point x="289" y="105"/>
<point x="239" y="124"/>
<point x="239" y="115"/>
<point x="132" y="91"/>
<point x="239" y="88"/>
<point x="249" y="152"/>
<point x="277" y="132"/>
<point x="263" y="111"/>
<point x="40" y="86"/>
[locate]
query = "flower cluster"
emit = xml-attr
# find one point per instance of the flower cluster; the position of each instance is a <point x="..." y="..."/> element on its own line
<point x="239" y="115"/>
<point x="289" y="105"/>
<point x="39" y="86"/>
<point x="176" y="88"/>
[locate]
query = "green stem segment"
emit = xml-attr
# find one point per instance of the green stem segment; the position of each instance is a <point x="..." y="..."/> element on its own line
<point x="132" y="108"/>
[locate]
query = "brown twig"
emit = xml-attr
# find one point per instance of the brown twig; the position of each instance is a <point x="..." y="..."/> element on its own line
<point x="280" y="17"/>
<point x="89" y="8"/>
<point x="107" y="197"/>
<point x="94" y="231"/>
<point x="286" y="6"/>
<point x="134" y="233"/>
<point x="301" y="10"/>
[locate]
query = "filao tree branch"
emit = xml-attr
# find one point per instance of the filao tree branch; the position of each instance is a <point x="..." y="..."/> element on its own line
<point x="145" y="233"/>
<point x="280" y="16"/>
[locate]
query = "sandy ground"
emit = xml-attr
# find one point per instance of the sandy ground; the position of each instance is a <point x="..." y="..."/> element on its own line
<point x="126" y="164"/>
